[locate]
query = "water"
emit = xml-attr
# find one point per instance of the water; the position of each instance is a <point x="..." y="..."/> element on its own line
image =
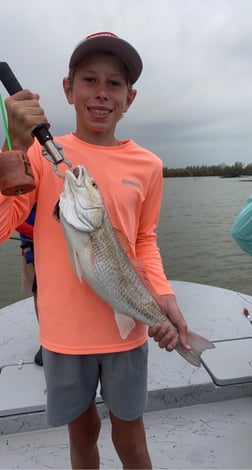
<point x="194" y="232"/>
<point x="194" y="237"/>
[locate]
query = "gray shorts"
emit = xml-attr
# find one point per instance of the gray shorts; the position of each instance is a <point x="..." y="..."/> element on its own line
<point x="72" y="382"/>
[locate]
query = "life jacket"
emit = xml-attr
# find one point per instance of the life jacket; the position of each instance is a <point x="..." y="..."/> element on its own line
<point x="27" y="243"/>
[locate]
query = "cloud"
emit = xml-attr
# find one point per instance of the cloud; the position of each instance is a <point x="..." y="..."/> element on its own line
<point x="194" y="103"/>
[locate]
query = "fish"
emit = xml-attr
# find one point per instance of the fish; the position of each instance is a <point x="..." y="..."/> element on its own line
<point x="98" y="253"/>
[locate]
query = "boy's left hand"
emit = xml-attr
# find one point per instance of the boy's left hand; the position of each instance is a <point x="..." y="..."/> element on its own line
<point x="166" y="335"/>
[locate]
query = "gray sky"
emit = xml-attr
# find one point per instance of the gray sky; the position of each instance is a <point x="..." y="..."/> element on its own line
<point x="194" y="102"/>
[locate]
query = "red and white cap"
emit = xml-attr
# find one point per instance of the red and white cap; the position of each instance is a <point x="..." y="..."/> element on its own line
<point x="109" y="42"/>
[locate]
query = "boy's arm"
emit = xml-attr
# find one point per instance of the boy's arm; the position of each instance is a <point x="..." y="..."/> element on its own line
<point x="13" y="211"/>
<point x="24" y="113"/>
<point x="146" y="243"/>
<point x="148" y="251"/>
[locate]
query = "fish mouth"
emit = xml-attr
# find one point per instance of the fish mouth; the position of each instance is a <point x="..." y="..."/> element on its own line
<point x="76" y="176"/>
<point x="73" y="180"/>
<point x="76" y="171"/>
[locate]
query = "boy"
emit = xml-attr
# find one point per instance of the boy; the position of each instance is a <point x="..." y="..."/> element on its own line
<point x="81" y="342"/>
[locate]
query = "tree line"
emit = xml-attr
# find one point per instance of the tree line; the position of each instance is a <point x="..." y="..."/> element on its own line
<point x="222" y="170"/>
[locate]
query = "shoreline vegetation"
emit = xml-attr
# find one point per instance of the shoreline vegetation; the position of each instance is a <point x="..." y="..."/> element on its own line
<point x="222" y="170"/>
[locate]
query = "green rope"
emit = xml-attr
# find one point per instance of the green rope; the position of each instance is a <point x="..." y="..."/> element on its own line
<point x="5" y="124"/>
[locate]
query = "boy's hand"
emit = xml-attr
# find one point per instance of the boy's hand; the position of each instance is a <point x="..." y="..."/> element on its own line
<point x="166" y="335"/>
<point x="24" y="114"/>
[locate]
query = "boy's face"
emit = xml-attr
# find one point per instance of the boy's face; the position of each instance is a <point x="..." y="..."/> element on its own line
<point x="99" y="92"/>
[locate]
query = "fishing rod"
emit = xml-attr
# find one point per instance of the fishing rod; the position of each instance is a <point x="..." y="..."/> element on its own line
<point x="16" y="176"/>
<point x="41" y="132"/>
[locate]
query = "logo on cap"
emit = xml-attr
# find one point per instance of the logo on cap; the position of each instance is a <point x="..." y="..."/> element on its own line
<point x="105" y="33"/>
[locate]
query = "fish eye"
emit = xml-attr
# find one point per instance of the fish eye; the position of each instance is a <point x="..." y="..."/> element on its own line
<point x="93" y="183"/>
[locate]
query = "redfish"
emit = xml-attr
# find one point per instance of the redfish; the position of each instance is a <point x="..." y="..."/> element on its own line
<point x="97" y="255"/>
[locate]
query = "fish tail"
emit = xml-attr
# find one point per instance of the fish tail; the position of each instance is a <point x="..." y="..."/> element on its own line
<point x="198" y="344"/>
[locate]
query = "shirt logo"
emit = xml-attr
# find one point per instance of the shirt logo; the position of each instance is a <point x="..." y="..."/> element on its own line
<point x="131" y="183"/>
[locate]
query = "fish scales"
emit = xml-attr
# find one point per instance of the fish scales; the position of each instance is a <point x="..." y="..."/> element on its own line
<point x="113" y="269"/>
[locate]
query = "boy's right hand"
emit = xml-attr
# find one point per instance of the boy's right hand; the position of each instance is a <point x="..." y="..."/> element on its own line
<point x="24" y="113"/>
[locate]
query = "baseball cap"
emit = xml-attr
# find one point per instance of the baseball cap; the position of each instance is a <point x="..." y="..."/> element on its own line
<point x="109" y="42"/>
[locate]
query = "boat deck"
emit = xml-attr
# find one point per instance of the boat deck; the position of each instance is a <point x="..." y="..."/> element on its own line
<point x="191" y="421"/>
<point x="210" y="436"/>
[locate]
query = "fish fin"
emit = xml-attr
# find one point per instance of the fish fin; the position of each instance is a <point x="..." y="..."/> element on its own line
<point x="77" y="265"/>
<point x="75" y="262"/>
<point x="198" y="344"/>
<point x="125" y="324"/>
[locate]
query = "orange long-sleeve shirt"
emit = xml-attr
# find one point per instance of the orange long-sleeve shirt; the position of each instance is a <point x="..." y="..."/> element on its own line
<point x="72" y="318"/>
